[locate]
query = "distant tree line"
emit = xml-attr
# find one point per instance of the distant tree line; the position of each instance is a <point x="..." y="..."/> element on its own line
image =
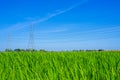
<point x="24" y="50"/>
<point x="88" y="50"/>
<point x="42" y="50"/>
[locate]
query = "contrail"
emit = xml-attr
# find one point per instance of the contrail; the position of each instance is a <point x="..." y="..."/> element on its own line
<point x="26" y="24"/>
<point x="59" y="12"/>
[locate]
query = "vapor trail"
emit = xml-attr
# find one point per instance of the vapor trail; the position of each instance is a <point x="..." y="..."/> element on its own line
<point x="59" y="12"/>
<point x="26" y="24"/>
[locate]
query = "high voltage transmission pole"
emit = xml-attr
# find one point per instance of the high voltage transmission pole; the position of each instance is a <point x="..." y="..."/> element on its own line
<point x="9" y="41"/>
<point x="31" y="37"/>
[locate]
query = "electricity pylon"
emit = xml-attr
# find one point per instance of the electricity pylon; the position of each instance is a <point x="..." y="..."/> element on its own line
<point x="31" y="37"/>
<point x="9" y="41"/>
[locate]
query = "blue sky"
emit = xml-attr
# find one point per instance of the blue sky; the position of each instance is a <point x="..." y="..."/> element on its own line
<point x="60" y="24"/>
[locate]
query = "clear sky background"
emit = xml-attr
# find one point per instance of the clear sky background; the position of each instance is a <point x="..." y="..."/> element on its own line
<point x="60" y="24"/>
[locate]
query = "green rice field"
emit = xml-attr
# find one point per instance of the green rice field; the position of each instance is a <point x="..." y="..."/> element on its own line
<point x="66" y="65"/>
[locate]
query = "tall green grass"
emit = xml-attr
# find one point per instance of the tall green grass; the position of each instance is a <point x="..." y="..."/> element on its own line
<point x="103" y="65"/>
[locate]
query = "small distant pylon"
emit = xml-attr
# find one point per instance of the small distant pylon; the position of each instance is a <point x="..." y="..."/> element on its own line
<point x="31" y="37"/>
<point x="9" y="41"/>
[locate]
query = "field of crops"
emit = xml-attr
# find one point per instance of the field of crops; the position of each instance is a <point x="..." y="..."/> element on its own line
<point x="104" y="65"/>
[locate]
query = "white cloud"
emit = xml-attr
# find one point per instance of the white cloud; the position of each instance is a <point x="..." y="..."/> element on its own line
<point x="54" y="31"/>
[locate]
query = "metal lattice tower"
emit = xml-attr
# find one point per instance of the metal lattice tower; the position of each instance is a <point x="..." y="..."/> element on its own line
<point x="9" y="41"/>
<point x="31" y="37"/>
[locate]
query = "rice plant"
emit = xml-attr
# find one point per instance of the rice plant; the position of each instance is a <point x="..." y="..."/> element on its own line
<point x="66" y="65"/>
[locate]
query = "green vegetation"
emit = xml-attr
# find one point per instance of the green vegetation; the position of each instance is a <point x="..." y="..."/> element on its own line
<point x="74" y="65"/>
